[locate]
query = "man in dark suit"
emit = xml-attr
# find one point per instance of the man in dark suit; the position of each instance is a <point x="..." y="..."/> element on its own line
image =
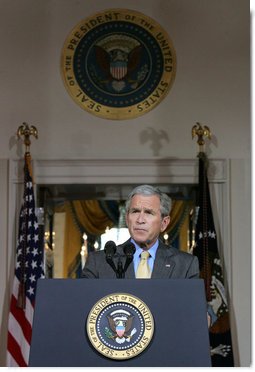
<point x="147" y="215"/>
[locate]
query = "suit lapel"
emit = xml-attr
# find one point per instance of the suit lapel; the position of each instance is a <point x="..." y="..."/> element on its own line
<point x="163" y="265"/>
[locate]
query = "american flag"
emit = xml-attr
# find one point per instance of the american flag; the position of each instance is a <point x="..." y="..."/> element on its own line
<point x="29" y="268"/>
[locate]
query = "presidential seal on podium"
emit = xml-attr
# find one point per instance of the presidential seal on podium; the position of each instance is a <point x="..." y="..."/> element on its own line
<point x="120" y="326"/>
<point x="118" y="64"/>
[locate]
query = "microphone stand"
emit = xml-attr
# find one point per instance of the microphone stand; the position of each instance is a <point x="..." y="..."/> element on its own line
<point x="120" y="271"/>
<point x="129" y="250"/>
<point x="110" y="249"/>
<point x="109" y="260"/>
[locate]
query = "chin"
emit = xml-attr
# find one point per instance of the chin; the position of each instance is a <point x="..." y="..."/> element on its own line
<point x="140" y="241"/>
<point x="143" y="242"/>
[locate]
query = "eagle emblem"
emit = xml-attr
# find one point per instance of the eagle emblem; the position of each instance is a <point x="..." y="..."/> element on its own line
<point x="120" y="323"/>
<point x="120" y="59"/>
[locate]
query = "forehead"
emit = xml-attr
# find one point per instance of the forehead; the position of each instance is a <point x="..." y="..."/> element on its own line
<point x="145" y="201"/>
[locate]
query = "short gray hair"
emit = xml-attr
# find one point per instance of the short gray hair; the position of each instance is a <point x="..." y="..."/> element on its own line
<point x="165" y="200"/>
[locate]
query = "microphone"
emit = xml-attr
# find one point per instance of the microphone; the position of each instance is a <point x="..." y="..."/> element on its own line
<point x="109" y="250"/>
<point x="129" y="250"/>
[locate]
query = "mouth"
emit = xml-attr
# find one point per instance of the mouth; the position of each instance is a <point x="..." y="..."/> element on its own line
<point x="138" y="229"/>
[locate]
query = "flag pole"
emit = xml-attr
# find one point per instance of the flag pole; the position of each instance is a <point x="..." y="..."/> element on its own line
<point x="26" y="131"/>
<point x="202" y="133"/>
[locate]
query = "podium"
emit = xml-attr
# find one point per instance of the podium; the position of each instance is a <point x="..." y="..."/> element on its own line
<point x="178" y="307"/>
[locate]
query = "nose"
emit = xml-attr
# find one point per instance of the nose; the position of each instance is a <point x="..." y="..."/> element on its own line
<point x="140" y="218"/>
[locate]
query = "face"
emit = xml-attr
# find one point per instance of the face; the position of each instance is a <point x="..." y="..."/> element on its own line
<point x="144" y="220"/>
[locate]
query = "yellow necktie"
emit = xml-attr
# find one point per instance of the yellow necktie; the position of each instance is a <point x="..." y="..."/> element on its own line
<point x="143" y="270"/>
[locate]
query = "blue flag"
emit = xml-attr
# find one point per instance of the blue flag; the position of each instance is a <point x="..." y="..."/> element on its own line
<point x="206" y="249"/>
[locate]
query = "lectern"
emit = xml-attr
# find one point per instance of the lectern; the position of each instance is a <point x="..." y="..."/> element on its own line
<point x="69" y="313"/>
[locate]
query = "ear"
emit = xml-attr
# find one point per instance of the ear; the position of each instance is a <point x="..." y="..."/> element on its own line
<point x="164" y="223"/>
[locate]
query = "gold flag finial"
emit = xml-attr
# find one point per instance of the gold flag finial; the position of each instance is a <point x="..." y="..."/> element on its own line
<point x="27" y="131"/>
<point x="200" y="132"/>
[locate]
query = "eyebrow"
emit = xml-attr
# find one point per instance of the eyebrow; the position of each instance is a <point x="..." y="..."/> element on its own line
<point x="137" y="209"/>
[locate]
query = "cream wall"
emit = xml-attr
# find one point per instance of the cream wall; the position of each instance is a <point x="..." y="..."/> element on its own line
<point x="211" y="39"/>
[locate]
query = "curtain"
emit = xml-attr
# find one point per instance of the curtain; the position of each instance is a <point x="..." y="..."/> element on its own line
<point x="82" y="216"/>
<point x="179" y="224"/>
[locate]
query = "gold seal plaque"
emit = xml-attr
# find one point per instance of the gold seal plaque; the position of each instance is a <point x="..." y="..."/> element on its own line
<point x="118" y="64"/>
<point x="120" y="326"/>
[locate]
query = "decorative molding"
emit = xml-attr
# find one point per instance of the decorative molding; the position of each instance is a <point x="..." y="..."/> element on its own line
<point x="119" y="171"/>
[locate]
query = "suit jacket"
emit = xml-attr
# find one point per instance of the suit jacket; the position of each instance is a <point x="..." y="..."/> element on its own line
<point x="169" y="263"/>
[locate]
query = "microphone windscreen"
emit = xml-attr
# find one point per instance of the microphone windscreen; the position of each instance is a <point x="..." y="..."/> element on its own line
<point x="129" y="249"/>
<point x="110" y="248"/>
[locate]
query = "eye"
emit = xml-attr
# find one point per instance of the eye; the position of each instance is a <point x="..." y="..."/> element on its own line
<point x="134" y="211"/>
<point x="149" y="211"/>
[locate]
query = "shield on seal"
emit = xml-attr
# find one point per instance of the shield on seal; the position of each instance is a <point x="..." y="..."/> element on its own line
<point x="118" y="69"/>
<point x="120" y="330"/>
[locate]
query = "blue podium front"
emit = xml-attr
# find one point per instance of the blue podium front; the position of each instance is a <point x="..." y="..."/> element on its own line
<point x="129" y="323"/>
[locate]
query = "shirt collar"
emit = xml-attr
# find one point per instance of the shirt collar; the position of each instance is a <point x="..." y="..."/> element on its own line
<point x="152" y="250"/>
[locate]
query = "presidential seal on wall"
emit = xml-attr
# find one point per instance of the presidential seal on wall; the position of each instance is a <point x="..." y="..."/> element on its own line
<point x="118" y="64"/>
<point x="120" y="326"/>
